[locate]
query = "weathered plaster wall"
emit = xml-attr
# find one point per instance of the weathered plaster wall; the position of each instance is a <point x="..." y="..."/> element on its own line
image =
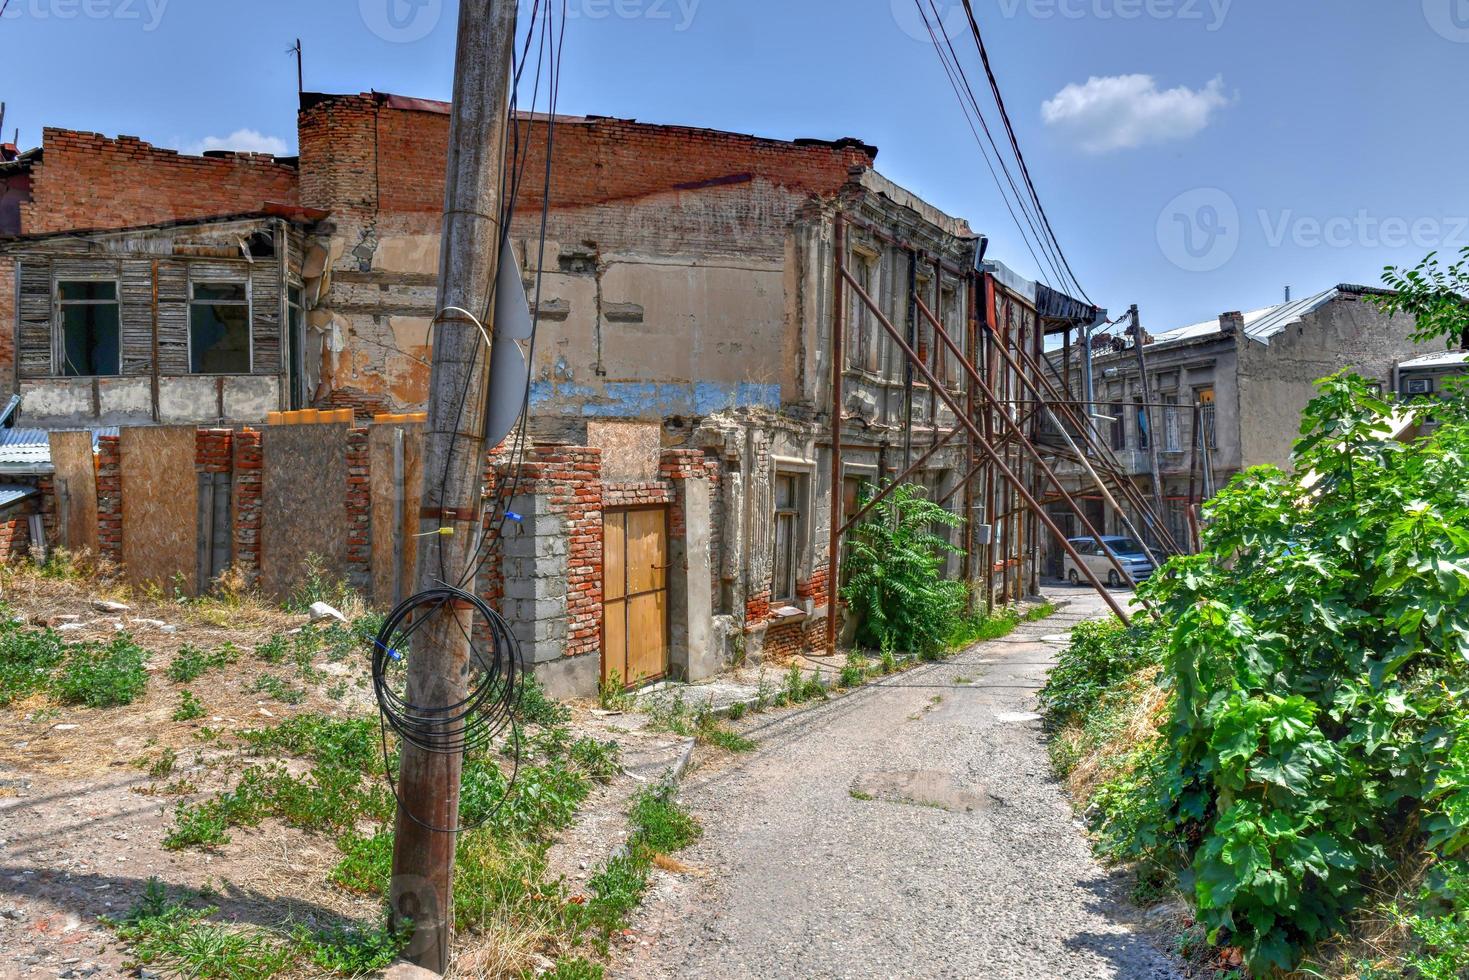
<point x="1277" y="381"/>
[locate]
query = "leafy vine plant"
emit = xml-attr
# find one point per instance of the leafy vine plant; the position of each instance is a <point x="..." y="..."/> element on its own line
<point x="1318" y="658"/>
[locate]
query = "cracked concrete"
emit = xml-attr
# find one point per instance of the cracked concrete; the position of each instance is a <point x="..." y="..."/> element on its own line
<point x="966" y="860"/>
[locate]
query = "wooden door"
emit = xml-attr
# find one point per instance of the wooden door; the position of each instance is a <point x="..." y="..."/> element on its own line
<point x="635" y="595"/>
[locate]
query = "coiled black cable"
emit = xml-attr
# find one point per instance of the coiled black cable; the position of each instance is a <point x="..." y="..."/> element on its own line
<point x="492" y="691"/>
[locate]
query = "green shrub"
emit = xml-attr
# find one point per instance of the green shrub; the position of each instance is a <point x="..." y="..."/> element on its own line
<point x="1316" y="656"/>
<point x="98" y="676"/>
<point x="1101" y="655"/>
<point x="27" y="659"/>
<point x="895" y="581"/>
<point x="191" y="663"/>
<point x="190" y="707"/>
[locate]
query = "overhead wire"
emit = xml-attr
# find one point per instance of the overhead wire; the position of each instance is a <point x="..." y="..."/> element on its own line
<point x="489" y="707"/>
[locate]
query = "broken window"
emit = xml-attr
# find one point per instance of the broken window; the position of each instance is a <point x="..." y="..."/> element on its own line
<point x="1172" y="428"/>
<point x="787" y="537"/>
<point x="1119" y="426"/>
<point x="295" y="348"/>
<point x="1144" y="435"/>
<point x="91" y="329"/>
<point x="862" y="350"/>
<point x="1205" y="434"/>
<point x="219" y="328"/>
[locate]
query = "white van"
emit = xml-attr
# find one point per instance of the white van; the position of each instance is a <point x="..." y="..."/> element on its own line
<point x="1130" y="554"/>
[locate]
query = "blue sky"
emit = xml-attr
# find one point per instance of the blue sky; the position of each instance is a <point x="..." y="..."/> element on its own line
<point x="1226" y="149"/>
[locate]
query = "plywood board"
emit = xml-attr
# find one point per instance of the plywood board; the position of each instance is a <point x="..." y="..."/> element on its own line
<point x="76" y="490"/>
<point x="303" y="503"/>
<point x="395" y="544"/>
<point x="631" y="451"/>
<point x="160" y="513"/>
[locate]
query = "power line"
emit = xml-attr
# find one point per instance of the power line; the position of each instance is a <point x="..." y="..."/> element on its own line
<point x="1015" y="145"/>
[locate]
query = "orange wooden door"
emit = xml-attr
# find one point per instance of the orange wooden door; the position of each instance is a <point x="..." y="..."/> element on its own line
<point x="635" y="595"/>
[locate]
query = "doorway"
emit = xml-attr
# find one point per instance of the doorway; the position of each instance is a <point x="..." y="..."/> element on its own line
<point x="635" y="565"/>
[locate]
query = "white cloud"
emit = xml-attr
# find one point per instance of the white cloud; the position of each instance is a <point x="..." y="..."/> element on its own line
<point x="1125" y="111"/>
<point x="241" y="141"/>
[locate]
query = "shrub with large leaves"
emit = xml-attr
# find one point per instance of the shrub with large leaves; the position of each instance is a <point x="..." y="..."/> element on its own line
<point x="895" y="581"/>
<point x="1319" y="656"/>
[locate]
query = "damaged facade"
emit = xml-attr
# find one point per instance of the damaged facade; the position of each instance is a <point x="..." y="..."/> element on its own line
<point x="1228" y="394"/>
<point x="675" y="507"/>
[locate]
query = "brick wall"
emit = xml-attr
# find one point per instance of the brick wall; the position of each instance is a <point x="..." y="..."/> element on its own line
<point x="86" y="180"/>
<point x="15" y="531"/>
<point x="597" y="160"/>
<point x="359" y="510"/>
<point x="248" y="498"/>
<point x="109" y="498"/>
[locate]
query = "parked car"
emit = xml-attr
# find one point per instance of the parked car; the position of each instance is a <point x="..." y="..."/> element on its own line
<point x="1129" y="552"/>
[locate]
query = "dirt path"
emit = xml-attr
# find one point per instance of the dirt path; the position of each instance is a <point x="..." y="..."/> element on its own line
<point x="908" y="830"/>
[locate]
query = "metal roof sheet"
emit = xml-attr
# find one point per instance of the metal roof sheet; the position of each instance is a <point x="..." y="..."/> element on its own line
<point x="1263" y="324"/>
<point x="1444" y="358"/>
<point x="32" y="447"/>
<point x="13" y="494"/>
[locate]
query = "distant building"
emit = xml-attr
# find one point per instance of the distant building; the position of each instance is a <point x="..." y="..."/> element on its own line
<point x="1426" y="375"/>
<point x="1228" y="394"/>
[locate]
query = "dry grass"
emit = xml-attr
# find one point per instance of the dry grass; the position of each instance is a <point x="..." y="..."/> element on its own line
<point x="1099" y="753"/>
<point x="65" y="593"/>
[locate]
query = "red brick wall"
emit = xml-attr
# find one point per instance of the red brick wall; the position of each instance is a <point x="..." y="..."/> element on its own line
<point x="89" y="181"/>
<point x="15" y="532"/>
<point x="570" y="478"/>
<point x="597" y="160"/>
<point x="359" y="510"/>
<point x="109" y="498"/>
<point x="248" y="496"/>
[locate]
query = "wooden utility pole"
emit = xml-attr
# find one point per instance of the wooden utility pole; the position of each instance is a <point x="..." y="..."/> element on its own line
<point x="1147" y="386"/>
<point x="454" y="459"/>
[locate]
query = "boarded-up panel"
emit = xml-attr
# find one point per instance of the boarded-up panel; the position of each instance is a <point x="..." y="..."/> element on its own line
<point x="137" y="317"/>
<point x="395" y="477"/>
<point x="265" y="304"/>
<point x="76" y="490"/>
<point x="614" y="641"/>
<point x="613" y="551"/>
<point x="34" y="356"/>
<point x="303" y="507"/>
<point x="173" y="317"/>
<point x="160" y="513"/>
<point x="635" y="595"/>
<point x="647" y="636"/>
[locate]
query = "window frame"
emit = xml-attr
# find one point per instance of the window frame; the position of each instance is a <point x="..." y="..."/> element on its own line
<point x="249" y="305"/>
<point x="1172" y="425"/>
<point x="58" y="319"/>
<point x="792" y="515"/>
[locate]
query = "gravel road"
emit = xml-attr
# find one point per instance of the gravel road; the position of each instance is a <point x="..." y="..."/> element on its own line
<point x="908" y="830"/>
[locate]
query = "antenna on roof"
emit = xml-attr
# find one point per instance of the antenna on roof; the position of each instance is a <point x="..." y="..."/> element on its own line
<point x="1287" y="294"/>
<point x="295" y="49"/>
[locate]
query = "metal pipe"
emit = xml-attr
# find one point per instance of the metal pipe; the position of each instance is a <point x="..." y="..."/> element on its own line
<point x="1024" y="443"/>
<point x="1005" y="471"/>
<point x="838" y="331"/>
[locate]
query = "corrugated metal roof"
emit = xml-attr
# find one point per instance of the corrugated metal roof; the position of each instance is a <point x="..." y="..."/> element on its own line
<point x="11" y="493"/>
<point x="1445" y="358"/>
<point x="30" y="449"/>
<point x="1263" y="324"/>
